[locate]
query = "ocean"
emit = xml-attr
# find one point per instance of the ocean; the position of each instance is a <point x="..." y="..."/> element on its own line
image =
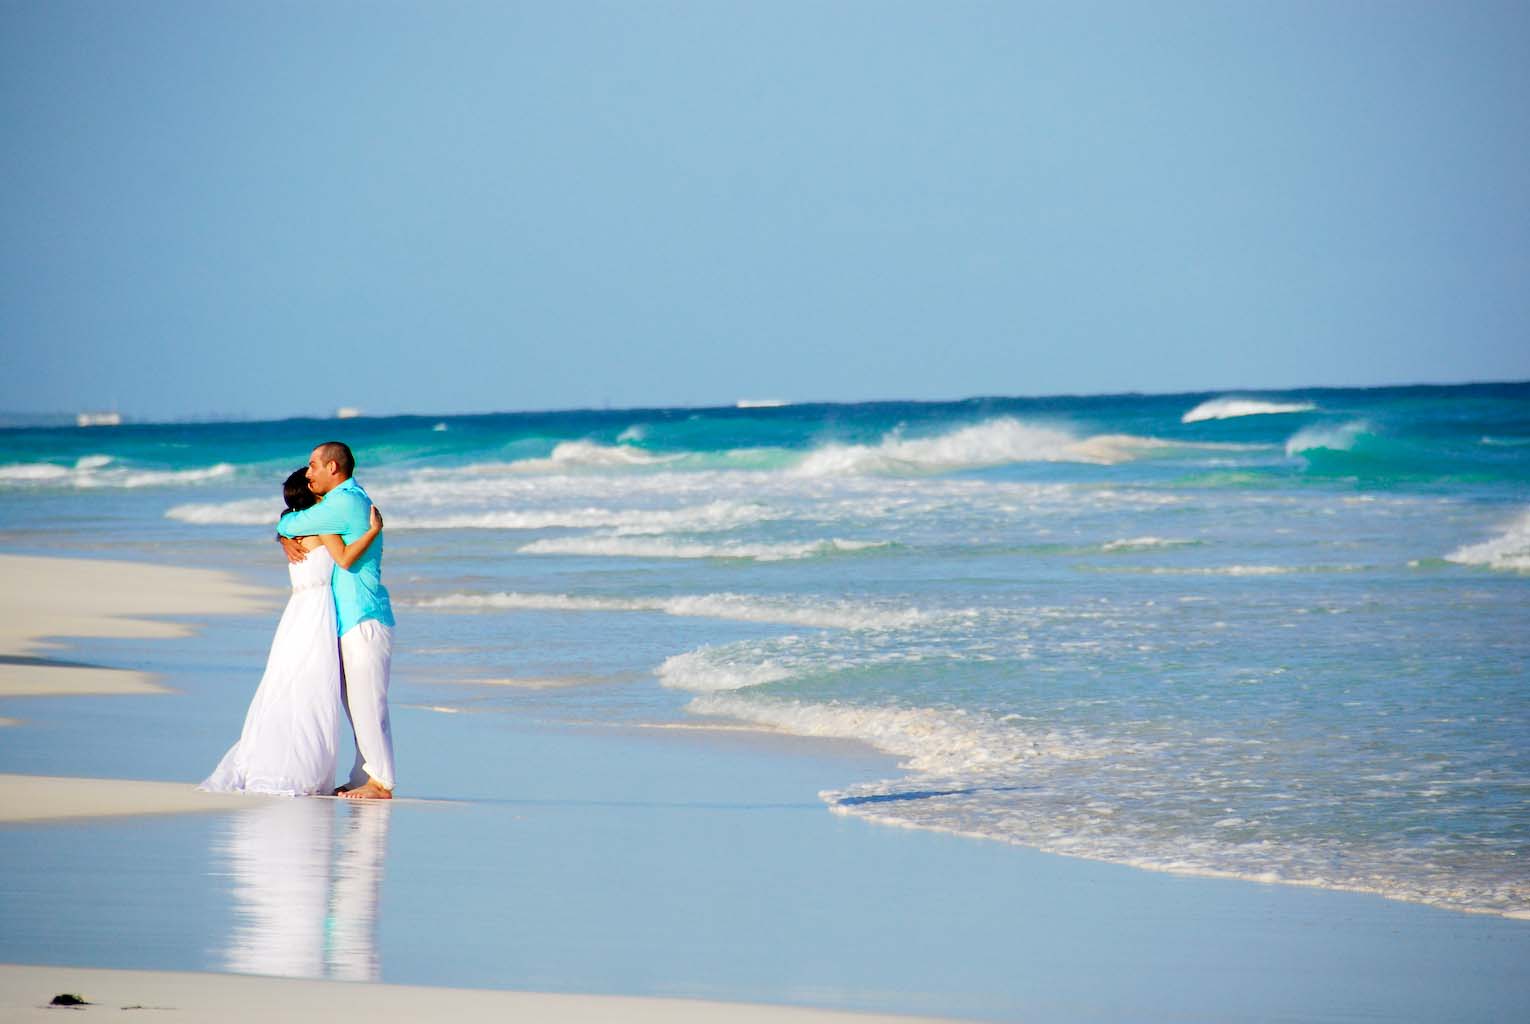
<point x="1282" y="636"/>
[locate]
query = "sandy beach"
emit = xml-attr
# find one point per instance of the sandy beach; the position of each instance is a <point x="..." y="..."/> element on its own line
<point x="154" y="995"/>
<point x="643" y="873"/>
<point x="46" y="798"/>
<point x="47" y="602"/>
<point x="45" y="599"/>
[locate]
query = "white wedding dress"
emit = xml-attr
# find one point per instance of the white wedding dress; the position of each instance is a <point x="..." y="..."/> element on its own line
<point x="290" y="736"/>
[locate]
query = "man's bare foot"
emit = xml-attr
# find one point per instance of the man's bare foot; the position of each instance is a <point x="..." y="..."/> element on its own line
<point x="371" y="790"/>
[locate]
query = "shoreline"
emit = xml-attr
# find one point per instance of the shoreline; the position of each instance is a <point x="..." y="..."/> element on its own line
<point x="48" y="601"/>
<point x="42" y="798"/>
<point x="52" y="603"/>
<point x="635" y="861"/>
<point x="26" y="989"/>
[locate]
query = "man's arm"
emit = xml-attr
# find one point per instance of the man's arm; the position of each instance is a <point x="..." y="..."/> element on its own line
<point x="335" y="514"/>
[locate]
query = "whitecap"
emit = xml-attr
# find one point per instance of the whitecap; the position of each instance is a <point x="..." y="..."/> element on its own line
<point x="100" y="471"/>
<point x="1143" y="544"/>
<point x="736" y="607"/>
<point x="616" y="546"/>
<point x="587" y="455"/>
<point x="158" y="478"/>
<point x="1232" y="408"/>
<point x="1333" y="438"/>
<point x="713" y="517"/>
<point x="248" y="512"/>
<point x="995" y="442"/>
<point x="33" y="472"/>
<point x="1231" y="570"/>
<point x="1510" y="550"/>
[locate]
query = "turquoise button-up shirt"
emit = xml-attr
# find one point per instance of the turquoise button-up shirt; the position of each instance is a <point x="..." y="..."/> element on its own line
<point x="359" y="592"/>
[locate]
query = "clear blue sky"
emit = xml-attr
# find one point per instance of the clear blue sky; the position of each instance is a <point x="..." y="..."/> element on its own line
<point x="277" y="208"/>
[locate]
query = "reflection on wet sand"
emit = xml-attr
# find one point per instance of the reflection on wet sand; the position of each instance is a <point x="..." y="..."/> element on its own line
<point x="305" y="888"/>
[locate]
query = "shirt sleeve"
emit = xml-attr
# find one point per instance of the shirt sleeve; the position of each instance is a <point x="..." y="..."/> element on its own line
<point x="332" y="515"/>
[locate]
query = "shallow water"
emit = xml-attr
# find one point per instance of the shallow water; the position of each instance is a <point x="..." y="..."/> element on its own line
<point x="673" y="862"/>
<point x="1275" y="635"/>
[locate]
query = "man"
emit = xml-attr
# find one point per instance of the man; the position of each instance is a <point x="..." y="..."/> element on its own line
<point x="363" y="614"/>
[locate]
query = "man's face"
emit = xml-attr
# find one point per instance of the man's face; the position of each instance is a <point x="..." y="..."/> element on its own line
<point x="321" y="475"/>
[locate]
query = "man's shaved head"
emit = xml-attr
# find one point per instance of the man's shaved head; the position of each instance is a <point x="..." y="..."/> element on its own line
<point x="339" y="453"/>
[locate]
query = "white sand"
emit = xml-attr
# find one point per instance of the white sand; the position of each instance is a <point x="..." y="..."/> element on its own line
<point x="48" y="797"/>
<point x="43" y="599"/>
<point x="171" y="996"/>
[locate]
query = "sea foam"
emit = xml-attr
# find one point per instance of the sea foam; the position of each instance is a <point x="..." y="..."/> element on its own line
<point x="996" y="442"/>
<point x="943" y="743"/>
<point x="1339" y="438"/>
<point x="411" y="513"/>
<point x="247" y="512"/>
<point x="100" y="471"/>
<point x="797" y="611"/>
<point x="1233" y="408"/>
<point x="1143" y="544"/>
<point x="614" y="546"/>
<point x="704" y="671"/>
<point x="1509" y="551"/>
<point x="588" y="455"/>
<point x="713" y="517"/>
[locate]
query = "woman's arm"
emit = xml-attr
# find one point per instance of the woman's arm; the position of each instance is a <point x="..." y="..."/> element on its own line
<point x="345" y="555"/>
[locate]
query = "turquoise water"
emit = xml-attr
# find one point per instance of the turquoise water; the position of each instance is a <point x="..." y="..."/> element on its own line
<point x="1273" y="635"/>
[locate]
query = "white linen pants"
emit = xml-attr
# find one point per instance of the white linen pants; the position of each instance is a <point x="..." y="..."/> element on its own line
<point x="366" y="654"/>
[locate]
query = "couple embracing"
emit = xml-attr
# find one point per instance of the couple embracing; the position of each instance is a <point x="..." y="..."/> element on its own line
<point x="331" y="534"/>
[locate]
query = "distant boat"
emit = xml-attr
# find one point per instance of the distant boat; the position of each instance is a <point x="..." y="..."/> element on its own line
<point x="98" y="419"/>
<point x="347" y="412"/>
<point x="761" y="403"/>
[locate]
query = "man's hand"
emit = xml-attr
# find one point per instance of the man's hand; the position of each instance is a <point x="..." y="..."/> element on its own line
<point x="376" y="518"/>
<point x="294" y="551"/>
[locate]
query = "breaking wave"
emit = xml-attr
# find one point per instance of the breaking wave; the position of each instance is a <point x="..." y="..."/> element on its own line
<point x="1017" y="781"/>
<point x="1340" y="438"/>
<point x="717" y="516"/>
<point x="714" y="517"/>
<point x="626" y="547"/>
<point x="1144" y="544"/>
<point x="1233" y="408"/>
<point x="588" y="455"/>
<point x="736" y="607"/>
<point x="1508" y="551"/>
<point x="943" y="743"/>
<point x="101" y="471"/>
<point x="996" y="442"/>
<point x="249" y="512"/>
<point x="704" y="671"/>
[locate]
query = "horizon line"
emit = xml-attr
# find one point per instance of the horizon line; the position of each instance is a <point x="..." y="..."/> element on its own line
<point x="11" y="419"/>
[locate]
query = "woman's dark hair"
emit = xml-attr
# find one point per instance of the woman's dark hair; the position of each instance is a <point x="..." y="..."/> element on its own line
<point x="296" y="491"/>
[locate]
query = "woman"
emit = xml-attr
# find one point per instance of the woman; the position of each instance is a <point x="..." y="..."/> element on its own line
<point x="289" y="741"/>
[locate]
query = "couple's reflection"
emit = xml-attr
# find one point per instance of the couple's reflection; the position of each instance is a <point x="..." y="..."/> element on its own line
<point x="305" y="878"/>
